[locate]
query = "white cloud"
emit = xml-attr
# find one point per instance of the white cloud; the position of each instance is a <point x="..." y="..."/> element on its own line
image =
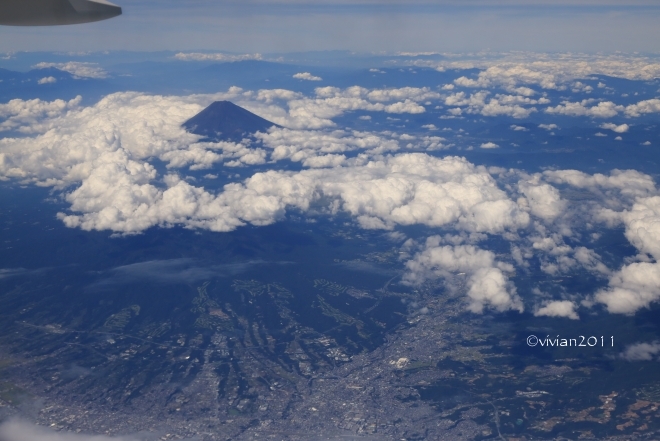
<point x="623" y="128"/>
<point x="642" y="223"/>
<point x="548" y="126"/>
<point x="330" y="102"/>
<point x="116" y="190"/>
<point x="47" y="80"/>
<point x="430" y="143"/>
<point x="642" y="107"/>
<point x="416" y="54"/>
<point x="605" y="109"/>
<point x="558" y="258"/>
<point x="26" y="115"/>
<point x="578" y="87"/>
<point x="125" y="128"/>
<point x="507" y="105"/>
<point x="558" y="308"/>
<point x="636" y="285"/>
<point x="511" y="76"/>
<point x="21" y="431"/>
<point x="416" y="94"/>
<point x="627" y="183"/>
<point x="407" y="106"/>
<point x="271" y="95"/>
<point x="406" y="189"/>
<point x="197" y="56"/>
<point x="101" y="158"/>
<point x="301" y="145"/>
<point x="549" y="71"/>
<point x="487" y="283"/>
<point x="641" y="351"/>
<point x="307" y="76"/>
<point x="489" y="145"/>
<point x="543" y="200"/>
<point x="77" y="69"/>
<point x="516" y="128"/>
<point x="418" y="189"/>
<point x="104" y="152"/>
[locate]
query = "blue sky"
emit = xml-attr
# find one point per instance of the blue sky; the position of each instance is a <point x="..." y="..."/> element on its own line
<point x="267" y="26"/>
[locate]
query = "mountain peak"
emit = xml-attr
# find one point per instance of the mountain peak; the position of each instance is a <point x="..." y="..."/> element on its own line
<point x="225" y="121"/>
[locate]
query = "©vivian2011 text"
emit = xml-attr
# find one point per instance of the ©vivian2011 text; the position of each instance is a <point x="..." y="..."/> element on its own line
<point x="580" y="341"/>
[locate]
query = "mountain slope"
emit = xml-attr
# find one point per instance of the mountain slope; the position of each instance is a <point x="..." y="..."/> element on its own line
<point x="225" y="121"/>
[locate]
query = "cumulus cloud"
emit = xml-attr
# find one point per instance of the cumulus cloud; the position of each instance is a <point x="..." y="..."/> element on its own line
<point x="547" y="71"/>
<point x="634" y="203"/>
<point x="642" y="223"/>
<point x="623" y="128"/>
<point x="634" y="287"/>
<point x="121" y="119"/>
<point x="558" y="258"/>
<point x="543" y="200"/>
<point x="103" y="152"/>
<point x="307" y="146"/>
<point x="47" y="80"/>
<point x="637" y="285"/>
<point x="418" y="189"/>
<point x="558" y="308"/>
<point x="515" y="72"/>
<point x="499" y="105"/>
<point x="642" y="107"/>
<point x="627" y="183"/>
<point x="307" y="76"/>
<point x="22" y="431"/>
<point x="197" y="56"/>
<point x="604" y="109"/>
<point x="641" y="351"/>
<point x="121" y="130"/>
<point x="489" y="145"/>
<point x="329" y="102"/>
<point x="487" y="283"/>
<point x="77" y="69"/>
<point x="556" y="222"/>
<point x="430" y="143"/>
<point x="510" y="77"/>
<point x="26" y="115"/>
<point x="101" y="158"/>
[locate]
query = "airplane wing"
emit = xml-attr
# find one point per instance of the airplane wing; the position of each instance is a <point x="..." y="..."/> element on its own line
<point x="55" y="12"/>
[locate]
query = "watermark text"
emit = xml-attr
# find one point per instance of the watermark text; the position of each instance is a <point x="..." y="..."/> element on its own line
<point x="581" y="341"/>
